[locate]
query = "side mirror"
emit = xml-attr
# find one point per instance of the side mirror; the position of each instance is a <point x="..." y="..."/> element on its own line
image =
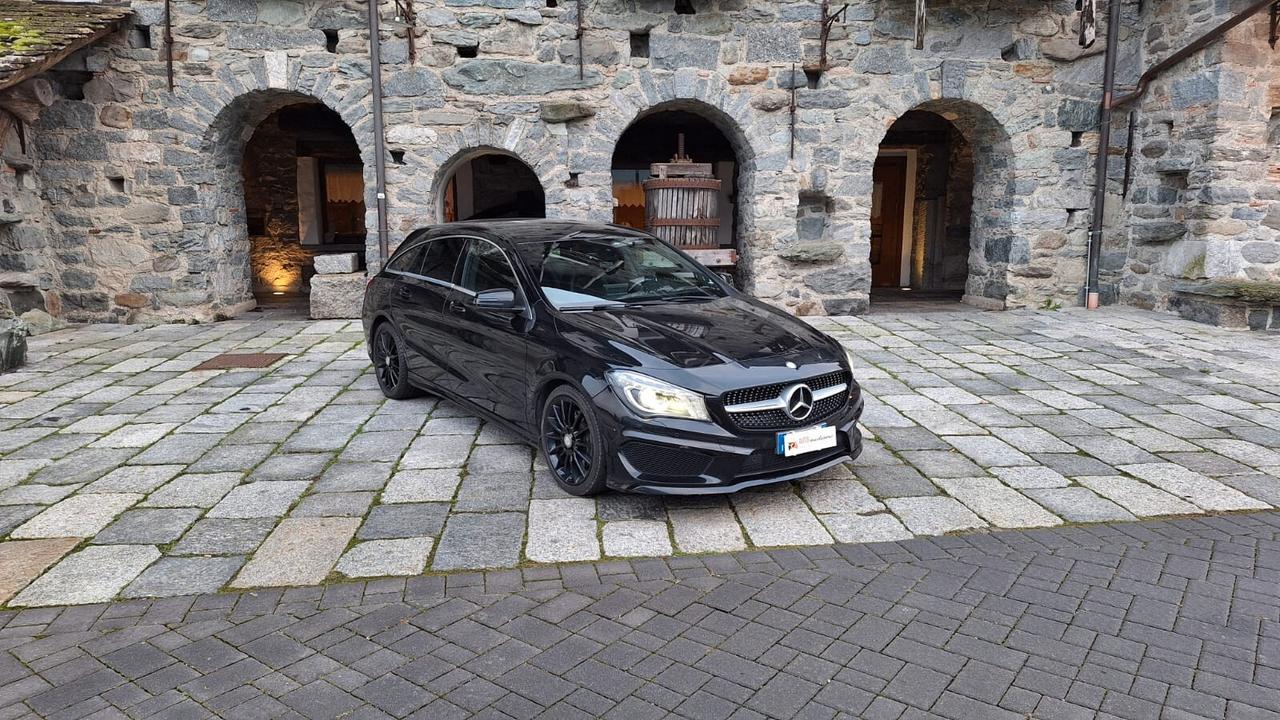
<point x="728" y="279"/>
<point x="496" y="299"/>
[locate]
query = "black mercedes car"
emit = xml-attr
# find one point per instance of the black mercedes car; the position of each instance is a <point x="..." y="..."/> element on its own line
<point x="628" y="364"/>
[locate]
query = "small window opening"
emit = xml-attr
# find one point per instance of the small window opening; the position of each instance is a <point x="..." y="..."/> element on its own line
<point x="468" y="51"/>
<point x="1072" y="215"/>
<point x="552" y="3"/>
<point x="685" y="7"/>
<point x="572" y="182"/>
<point x="117" y="184"/>
<point x="20" y="176"/>
<point x="1076" y="137"/>
<point x="813" y="76"/>
<point x="331" y="41"/>
<point x="397" y="157"/>
<point x="1168" y="127"/>
<point x="639" y="44"/>
<point x="140" y="36"/>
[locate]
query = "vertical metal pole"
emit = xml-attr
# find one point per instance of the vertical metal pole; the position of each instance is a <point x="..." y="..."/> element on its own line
<point x="582" y="70"/>
<point x="793" y="111"/>
<point x="1104" y="148"/>
<point x="168" y="41"/>
<point x="379" y="139"/>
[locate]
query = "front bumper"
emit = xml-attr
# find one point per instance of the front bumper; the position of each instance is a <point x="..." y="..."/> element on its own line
<point x="681" y="457"/>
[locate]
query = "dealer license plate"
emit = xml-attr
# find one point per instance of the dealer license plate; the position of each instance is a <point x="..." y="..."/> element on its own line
<point x="799" y="442"/>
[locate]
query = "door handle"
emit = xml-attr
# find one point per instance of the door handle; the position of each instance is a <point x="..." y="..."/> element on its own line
<point x="455" y="307"/>
<point x="402" y="291"/>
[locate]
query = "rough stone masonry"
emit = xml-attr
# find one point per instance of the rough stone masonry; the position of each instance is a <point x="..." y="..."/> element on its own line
<point x="134" y="208"/>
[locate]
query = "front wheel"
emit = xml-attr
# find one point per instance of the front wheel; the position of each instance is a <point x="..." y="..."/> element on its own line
<point x="572" y="442"/>
<point x="390" y="364"/>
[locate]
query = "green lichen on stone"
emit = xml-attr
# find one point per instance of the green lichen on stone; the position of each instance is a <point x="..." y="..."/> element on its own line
<point x="1194" y="269"/>
<point x="17" y="37"/>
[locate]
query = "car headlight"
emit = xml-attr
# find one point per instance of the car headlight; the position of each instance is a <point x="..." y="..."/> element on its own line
<point x="655" y="398"/>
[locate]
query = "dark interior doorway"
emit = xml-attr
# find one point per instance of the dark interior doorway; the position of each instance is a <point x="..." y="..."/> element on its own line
<point x="304" y="196"/>
<point x="922" y="208"/>
<point x="492" y="185"/>
<point x="654" y="138"/>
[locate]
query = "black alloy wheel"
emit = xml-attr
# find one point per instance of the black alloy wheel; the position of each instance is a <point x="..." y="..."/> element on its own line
<point x="572" y="442"/>
<point x="389" y="364"/>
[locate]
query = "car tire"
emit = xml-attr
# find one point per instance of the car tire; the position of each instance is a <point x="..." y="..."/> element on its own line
<point x="571" y="442"/>
<point x="390" y="366"/>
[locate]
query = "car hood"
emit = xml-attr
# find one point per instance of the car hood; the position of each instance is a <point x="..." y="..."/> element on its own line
<point x="730" y="330"/>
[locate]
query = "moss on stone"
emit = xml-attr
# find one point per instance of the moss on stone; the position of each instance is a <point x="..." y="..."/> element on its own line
<point x="17" y="37"/>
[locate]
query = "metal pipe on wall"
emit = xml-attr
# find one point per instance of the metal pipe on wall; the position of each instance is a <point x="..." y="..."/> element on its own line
<point x="379" y="139"/>
<point x="1104" y="151"/>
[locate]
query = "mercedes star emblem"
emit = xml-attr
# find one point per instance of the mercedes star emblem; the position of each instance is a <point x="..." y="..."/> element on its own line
<point x="799" y="399"/>
<point x="791" y="365"/>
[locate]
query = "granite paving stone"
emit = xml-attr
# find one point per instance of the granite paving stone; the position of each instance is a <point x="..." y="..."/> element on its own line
<point x="851" y="528"/>
<point x="705" y="528"/>
<point x="134" y="478"/>
<point x="414" y="486"/>
<point x="562" y="530"/>
<point x="839" y="496"/>
<point x="778" y="517"/>
<point x="636" y="538"/>
<point x="292" y="466"/>
<point x="375" y="558"/>
<point x="201" y="491"/>
<point x="148" y="527"/>
<point x="997" y="503"/>
<point x="260" y="499"/>
<point x="171" y="576"/>
<point x="94" y="574"/>
<point x="76" y="516"/>
<point x="354" y="476"/>
<point x="1194" y="487"/>
<point x="224" y="536"/>
<point x="22" y="561"/>
<point x="473" y="541"/>
<point x="1137" y="497"/>
<point x="404" y="520"/>
<point x="300" y="551"/>
<point x="1078" y="504"/>
<point x="493" y="492"/>
<point x="933" y="515"/>
<point x="334" y="504"/>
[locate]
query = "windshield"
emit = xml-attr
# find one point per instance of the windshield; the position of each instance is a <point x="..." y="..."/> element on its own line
<point x="587" y="271"/>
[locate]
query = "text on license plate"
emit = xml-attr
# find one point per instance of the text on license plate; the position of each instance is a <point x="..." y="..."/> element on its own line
<point x="799" y="442"/>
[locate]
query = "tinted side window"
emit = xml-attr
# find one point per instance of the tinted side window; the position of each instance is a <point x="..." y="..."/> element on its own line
<point x="486" y="268"/>
<point x="441" y="258"/>
<point x="407" y="261"/>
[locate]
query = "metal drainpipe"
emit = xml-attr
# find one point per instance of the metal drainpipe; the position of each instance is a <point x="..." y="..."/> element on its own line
<point x="379" y="141"/>
<point x="1104" y="150"/>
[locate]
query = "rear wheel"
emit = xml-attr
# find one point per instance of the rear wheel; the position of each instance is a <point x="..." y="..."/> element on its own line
<point x="572" y="442"/>
<point x="390" y="365"/>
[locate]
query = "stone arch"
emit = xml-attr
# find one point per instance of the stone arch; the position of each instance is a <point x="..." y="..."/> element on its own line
<point x="763" y="160"/>
<point x="218" y="234"/>
<point x="994" y="241"/>
<point x="532" y="143"/>
<point x="448" y="170"/>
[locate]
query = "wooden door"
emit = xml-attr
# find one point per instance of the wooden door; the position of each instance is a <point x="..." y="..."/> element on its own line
<point x="888" y="199"/>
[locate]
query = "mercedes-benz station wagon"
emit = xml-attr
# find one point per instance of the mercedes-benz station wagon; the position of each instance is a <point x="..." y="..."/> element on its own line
<point x="625" y="362"/>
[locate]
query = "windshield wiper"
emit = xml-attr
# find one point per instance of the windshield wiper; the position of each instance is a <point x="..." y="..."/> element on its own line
<point x="673" y="299"/>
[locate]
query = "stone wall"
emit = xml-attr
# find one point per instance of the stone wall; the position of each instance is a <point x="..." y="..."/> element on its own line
<point x="1204" y="204"/>
<point x="26" y="272"/>
<point x="177" y="238"/>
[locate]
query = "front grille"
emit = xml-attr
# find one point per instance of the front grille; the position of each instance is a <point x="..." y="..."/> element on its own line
<point x="777" y="419"/>
<point x="664" y="460"/>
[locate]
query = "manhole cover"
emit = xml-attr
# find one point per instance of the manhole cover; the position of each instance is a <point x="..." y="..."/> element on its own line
<point x="226" y="361"/>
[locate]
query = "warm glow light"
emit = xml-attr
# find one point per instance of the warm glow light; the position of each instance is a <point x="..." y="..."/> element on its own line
<point x="278" y="292"/>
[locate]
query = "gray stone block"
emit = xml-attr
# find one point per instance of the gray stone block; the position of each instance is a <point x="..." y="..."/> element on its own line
<point x="337" y="296"/>
<point x="336" y="263"/>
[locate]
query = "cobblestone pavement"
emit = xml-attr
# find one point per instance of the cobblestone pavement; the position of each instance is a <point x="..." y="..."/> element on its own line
<point x="127" y="473"/>
<point x="1171" y="619"/>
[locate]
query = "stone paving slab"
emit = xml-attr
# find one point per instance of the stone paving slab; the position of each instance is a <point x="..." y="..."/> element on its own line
<point x="974" y="420"/>
<point x="1152" y="619"/>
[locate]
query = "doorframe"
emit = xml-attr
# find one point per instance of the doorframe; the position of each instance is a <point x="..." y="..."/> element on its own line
<point x="908" y="209"/>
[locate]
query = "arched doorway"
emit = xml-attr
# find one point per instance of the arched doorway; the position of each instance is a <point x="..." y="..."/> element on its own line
<point x="488" y="183"/>
<point x="654" y="138"/>
<point x="937" y="232"/>
<point x="303" y="197"/>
